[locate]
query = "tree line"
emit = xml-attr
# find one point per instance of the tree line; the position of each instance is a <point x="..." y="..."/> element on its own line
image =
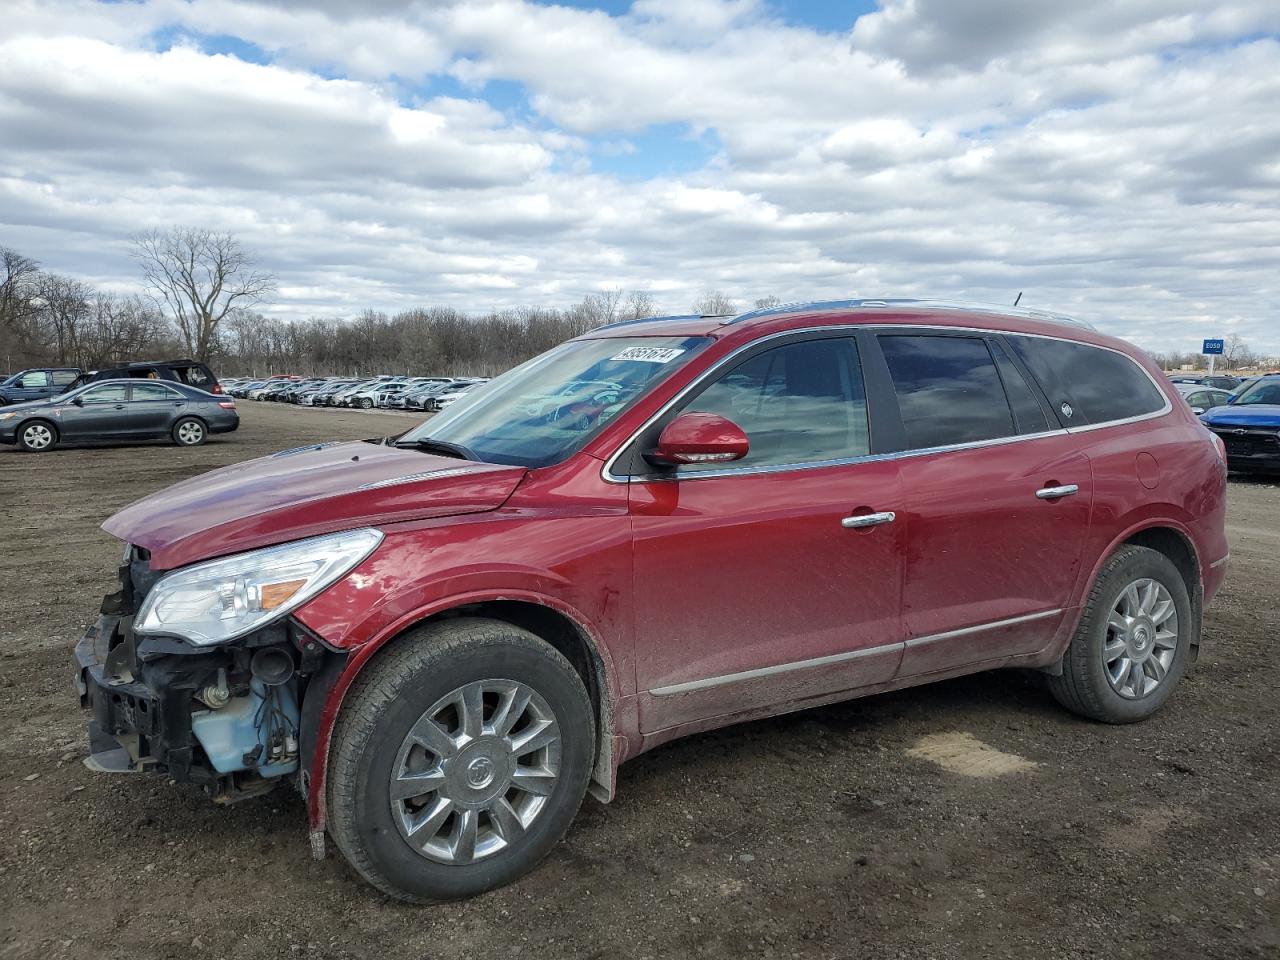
<point x="201" y="292"/>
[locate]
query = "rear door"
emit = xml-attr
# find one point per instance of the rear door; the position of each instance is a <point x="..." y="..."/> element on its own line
<point x="62" y="380"/>
<point x="153" y="408"/>
<point x="753" y="592"/>
<point x="998" y="498"/>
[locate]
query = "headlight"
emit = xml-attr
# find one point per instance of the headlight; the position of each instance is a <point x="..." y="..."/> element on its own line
<point x="218" y="601"/>
<point x="7" y="416"/>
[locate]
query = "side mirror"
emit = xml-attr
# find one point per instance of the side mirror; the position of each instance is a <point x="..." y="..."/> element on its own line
<point x="78" y="401"/>
<point x="1197" y="410"/>
<point x="18" y="384"/>
<point x="1232" y="399"/>
<point x="699" y="438"/>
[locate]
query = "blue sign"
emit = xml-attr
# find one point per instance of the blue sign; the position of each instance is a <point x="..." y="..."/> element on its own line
<point x="1212" y="347"/>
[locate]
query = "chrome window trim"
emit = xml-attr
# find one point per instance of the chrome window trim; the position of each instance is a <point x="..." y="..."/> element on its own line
<point x="607" y="474"/>
<point x="707" y="683"/>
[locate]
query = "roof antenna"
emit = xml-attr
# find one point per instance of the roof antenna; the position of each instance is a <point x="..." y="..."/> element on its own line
<point x="1015" y="302"/>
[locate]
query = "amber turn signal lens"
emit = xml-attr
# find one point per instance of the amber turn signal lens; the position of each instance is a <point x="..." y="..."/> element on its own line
<point x="276" y="594"/>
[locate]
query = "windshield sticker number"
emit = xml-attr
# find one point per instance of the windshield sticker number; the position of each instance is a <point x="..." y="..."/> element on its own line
<point x="649" y="354"/>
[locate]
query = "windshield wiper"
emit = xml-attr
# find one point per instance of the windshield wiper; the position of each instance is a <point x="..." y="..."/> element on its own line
<point x="427" y="445"/>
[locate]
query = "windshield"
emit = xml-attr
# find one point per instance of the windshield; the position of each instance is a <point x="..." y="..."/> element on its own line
<point x="543" y="410"/>
<point x="1264" y="391"/>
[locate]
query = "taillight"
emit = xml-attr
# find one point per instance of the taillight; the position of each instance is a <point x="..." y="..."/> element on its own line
<point x="217" y="388"/>
<point x="227" y="404"/>
<point x="1219" y="446"/>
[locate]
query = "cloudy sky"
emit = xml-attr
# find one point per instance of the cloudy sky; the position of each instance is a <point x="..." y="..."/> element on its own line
<point x="1115" y="160"/>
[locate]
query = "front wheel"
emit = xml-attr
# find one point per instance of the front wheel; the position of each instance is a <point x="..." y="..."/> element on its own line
<point x="460" y="757"/>
<point x="38" y="436"/>
<point x="366" y="403"/>
<point x="189" y="432"/>
<point x="1133" y="641"/>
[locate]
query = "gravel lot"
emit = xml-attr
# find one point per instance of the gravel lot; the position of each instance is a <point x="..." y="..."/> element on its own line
<point x="968" y="819"/>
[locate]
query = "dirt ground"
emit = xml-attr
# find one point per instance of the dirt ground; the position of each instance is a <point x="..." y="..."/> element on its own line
<point x="968" y="819"/>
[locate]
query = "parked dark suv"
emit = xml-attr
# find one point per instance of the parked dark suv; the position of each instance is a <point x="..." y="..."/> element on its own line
<point x="193" y="373"/>
<point x="445" y="639"/>
<point x="37" y="383"/>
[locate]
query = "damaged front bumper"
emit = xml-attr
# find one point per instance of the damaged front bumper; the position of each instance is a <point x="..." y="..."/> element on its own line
<point x="226" y="718"/>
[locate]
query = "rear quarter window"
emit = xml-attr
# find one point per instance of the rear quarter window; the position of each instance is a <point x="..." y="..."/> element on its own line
<point x="1089" y="384"/>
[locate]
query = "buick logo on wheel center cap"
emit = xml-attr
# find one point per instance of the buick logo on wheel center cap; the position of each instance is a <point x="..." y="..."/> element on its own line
<point x="480" y="772"/>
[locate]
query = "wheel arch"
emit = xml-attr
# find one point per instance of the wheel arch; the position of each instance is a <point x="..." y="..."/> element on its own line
<point x="1181" y="551"/>
<point x="554" y="622"/>
<point x="1166" y="536"/>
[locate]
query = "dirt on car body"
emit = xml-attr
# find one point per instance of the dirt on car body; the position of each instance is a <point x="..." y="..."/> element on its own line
<point x="965" y="819"/>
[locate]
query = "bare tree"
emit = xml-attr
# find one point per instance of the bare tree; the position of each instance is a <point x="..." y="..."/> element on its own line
<point x="713" y="303"/>
<point x="764" y="303"/>
<point x="18" y="276"/>
<point x="199" y="276"/>
<point x="638" y="305"/>
<point x="1236" y="353"/>
<point x="65" y="309"/>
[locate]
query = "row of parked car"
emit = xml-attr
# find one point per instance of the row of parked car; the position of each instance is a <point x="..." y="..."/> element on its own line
<point x="429" y="394"/>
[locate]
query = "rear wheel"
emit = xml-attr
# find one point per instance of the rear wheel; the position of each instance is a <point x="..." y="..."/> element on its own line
<point x="459" y="760"/>
<point x="189" y="432"/>
<point x="1132" y="644"/>
<point x="365" y="403"/>
<point x="38" y="436"/>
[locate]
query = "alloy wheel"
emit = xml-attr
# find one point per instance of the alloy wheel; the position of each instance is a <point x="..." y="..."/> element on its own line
<point x="1142" y="639"/>
<point x="475" y="771"/>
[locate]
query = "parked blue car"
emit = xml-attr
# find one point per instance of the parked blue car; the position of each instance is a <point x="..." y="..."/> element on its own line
<point x="1249" y="425"/>
<point x="38" y="383"/>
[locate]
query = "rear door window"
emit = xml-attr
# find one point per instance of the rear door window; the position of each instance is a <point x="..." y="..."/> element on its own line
<point x="1089" y="384"/>
<point x="948" y="389"/>
<point x="63" y="377"/>
<point x="154" y="391"/>
<point x="802" y="402"/>
<point x="1028" y="412"/>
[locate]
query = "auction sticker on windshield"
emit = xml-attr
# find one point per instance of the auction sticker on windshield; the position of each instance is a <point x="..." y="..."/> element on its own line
<point x="649" y="354"/>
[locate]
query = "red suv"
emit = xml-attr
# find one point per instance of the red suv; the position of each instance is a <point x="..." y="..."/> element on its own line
<point x="444" y="639"/>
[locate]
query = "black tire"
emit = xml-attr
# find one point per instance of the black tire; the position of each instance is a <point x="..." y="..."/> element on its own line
<point x="390" y="696"/>
<point x="1084" y="687"/>
<point x="190" y="432"/>
<point x="29" y="433"/>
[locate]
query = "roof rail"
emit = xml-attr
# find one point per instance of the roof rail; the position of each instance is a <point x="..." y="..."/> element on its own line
<point x="964" y="305"/>
<point x="634" y="320"/>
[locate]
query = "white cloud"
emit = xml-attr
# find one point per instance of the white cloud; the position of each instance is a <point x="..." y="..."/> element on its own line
<point x="1117" y="161"/>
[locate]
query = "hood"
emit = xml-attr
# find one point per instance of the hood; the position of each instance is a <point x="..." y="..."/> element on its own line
<point x="44" y="404"/>
<point x="305" y="492"/>
<point x="1249" y="415"/>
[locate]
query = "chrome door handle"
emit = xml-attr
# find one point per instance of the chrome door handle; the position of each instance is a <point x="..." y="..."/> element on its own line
<point x="1053" y="493"/>
<point x="868" y="520"/>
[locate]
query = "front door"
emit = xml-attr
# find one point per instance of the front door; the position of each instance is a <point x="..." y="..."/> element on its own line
<point x="34" y="385"/>
<point x="998" y="502"/>
<point x="101" y="413"/>
<point x="761" y="585"/>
